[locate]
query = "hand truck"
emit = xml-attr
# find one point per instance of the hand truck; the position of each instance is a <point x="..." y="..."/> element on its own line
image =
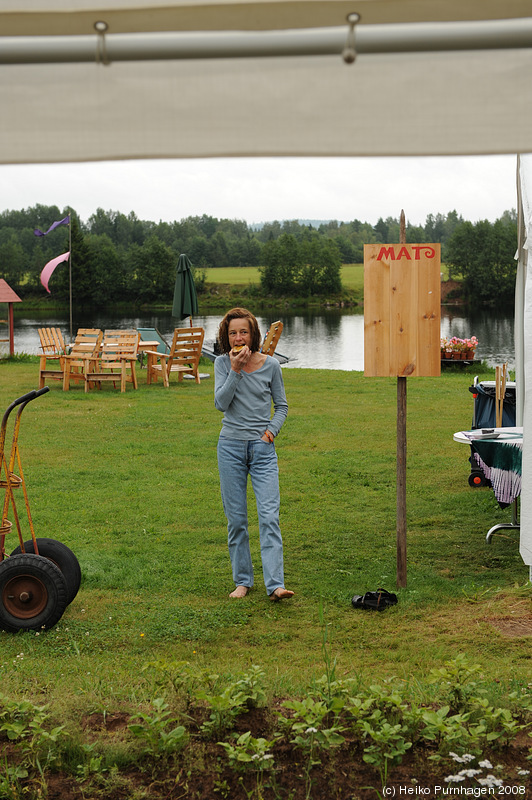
<point x="40" y="577"/>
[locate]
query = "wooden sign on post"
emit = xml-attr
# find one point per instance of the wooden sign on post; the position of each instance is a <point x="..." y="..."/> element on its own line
<point x="402" y="310"/>
<point x="401" y="336"/>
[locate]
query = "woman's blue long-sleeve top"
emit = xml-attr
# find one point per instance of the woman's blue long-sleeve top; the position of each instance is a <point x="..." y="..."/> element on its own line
<point x="246" y="399"/>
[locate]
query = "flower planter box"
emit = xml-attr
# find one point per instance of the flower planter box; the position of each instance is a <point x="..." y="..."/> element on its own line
<point x="455" y="349"/>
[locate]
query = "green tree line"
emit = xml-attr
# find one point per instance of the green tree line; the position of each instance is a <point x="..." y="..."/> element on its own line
<point x="120" y="258"/>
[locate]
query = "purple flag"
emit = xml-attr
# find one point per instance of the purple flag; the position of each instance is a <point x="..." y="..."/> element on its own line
<point x="46" y="274"/>
<point x="52" y="227"/>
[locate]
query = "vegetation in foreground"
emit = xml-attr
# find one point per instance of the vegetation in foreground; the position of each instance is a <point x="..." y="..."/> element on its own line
<point x="155" y="685"/>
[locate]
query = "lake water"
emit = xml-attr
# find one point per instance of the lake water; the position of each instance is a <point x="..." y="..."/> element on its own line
<point x="333" y="339"/>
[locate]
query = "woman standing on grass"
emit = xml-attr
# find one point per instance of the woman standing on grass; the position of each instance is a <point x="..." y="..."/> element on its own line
<point x="246" y="383"/>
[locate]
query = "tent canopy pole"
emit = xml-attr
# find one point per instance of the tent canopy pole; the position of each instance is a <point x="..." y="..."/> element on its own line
<point x="370" y="39"/>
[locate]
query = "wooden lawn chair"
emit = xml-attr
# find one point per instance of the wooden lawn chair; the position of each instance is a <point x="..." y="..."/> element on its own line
<point x="79" y="362"/>
<point x="272" y="337"/>
<point x="53" y="349"/>
<point x="117" y="359"/>
<point x="183" y="358"/>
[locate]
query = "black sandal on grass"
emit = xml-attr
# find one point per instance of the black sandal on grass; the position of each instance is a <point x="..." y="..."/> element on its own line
<point x="375" y="601"/>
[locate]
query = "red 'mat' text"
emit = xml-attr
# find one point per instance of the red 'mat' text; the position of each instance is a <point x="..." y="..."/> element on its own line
<point x="407" y="252"/>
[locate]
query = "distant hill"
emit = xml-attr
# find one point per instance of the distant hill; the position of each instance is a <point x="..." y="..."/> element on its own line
<point x="315" y="223"/>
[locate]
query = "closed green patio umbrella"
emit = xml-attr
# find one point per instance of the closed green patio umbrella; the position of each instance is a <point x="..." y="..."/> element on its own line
<point x="185" y="297"/>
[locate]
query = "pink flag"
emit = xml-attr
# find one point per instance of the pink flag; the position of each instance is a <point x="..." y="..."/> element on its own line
<point x="46" y="274"/>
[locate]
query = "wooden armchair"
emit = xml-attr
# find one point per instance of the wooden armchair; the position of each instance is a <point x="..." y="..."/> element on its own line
<point x="79" y="362"/>
<point x="183" y="358"/>
<point x="117" y="359"/>
<point x="271" y="340"/>
<point x="53" y="349"/>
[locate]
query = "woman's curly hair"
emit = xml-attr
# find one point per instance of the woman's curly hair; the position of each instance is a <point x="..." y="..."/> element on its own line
<point x="223" y="331"/>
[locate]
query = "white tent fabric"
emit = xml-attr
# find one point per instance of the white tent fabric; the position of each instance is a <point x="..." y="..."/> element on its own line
<point x="64" y="17"/>
<point x="455" y="102"/>
<point x="524" y="350"/>
<point x="431" y="103"/>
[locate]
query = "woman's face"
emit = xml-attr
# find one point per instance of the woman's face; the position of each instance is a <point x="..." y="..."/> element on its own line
<point x="239" y="332"/>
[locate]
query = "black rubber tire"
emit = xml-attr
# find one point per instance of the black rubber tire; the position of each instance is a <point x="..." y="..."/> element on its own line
<point x="33" y="593"/>
<point x="63" y="557"/>
<point x="477" y="479"/>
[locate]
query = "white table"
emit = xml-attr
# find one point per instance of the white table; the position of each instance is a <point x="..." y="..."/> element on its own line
<point x="499" y="458"/>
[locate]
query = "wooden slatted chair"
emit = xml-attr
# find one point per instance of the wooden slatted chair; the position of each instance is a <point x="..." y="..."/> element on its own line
<point x="79" y="362"/>
<point x="183" y="358"/>
<point x="272" y="337"/>
<point x="117" y="359"/>
<point x="53" y="349"/>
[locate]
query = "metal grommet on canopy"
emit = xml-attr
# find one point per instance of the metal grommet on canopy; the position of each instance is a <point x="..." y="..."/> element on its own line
<point x="101" y="29"/>
<point x="349" y="53"/>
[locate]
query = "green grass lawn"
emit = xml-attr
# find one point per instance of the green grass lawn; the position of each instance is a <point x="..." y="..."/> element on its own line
<point x="352" y="276"/>
<point x="233" y="275"/>
<point x="129" y="482"/>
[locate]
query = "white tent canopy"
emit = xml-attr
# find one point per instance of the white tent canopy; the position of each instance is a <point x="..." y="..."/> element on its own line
<point x="523" y="348"/>
<point x="456" y="93"/>
<point x="386" y="103"/>
<point x="63" y="17"/>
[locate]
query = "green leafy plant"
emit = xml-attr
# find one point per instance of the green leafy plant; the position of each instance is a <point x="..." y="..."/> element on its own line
<point x="243" y="693"/>
<point x="446" y="730"/>
<point x="311" y="733"/>
<point x="160" y="739"/>
<point x="27" y="725"/>
<point x="92" y="764"/>
<point x="10" y="777"/>
<point x="388" y="743"/>
<point x="223" y="708"/>
<point x="251" y="687"/>
<point x="455" y="676"/>
<point x="248" y="753"/>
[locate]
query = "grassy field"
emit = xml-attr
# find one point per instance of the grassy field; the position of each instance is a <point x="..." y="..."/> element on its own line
<point x="352" y="276"/>
<point x="129" y="482"/>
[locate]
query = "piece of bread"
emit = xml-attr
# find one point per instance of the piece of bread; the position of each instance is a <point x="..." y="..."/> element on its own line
<point x="238" y="349"/>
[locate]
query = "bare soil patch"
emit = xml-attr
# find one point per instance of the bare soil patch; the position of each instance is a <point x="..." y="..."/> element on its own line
<point x="513" y="627"/>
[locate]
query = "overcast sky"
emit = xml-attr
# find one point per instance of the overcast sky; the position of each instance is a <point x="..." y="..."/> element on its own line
<point x="259" y="190"/>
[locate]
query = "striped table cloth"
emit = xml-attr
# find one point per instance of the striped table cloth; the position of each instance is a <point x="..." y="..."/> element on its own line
<point x="500" y="461"/>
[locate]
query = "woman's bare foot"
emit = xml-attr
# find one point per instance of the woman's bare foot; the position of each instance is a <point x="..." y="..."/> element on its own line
<point x="281" y="594"/>
<point x="240" y="591"/>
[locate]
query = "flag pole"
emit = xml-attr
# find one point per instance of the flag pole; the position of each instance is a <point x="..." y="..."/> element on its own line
<point x="70" y="268"/>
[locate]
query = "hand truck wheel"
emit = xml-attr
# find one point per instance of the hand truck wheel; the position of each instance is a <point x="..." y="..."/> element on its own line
<point x="33" y="593"/>
<point x="63" y="557"/>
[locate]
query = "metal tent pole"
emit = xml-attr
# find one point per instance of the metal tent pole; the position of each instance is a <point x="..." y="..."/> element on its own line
<point x="370" y="39"/>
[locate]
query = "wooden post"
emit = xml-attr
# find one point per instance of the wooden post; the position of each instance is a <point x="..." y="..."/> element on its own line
<point x="11" y="330"/>
<point x="401" y="459"/>
<point x="401" y="336"/>
<point x="401" y="481"/>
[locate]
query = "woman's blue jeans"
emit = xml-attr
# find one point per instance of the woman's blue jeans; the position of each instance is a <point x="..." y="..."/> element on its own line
<point x="236" y="460"/>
